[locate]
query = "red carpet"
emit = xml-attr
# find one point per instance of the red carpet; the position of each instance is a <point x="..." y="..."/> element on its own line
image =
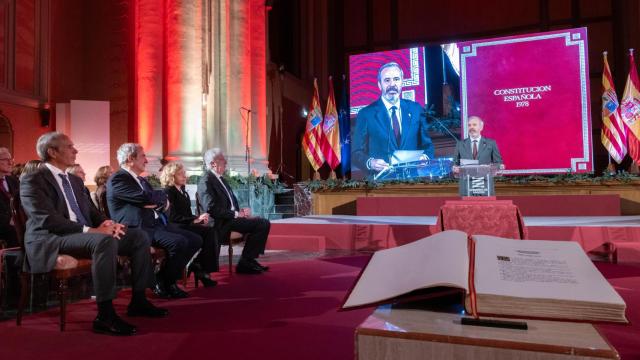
<point x="626" y="280"/>
<point x="288" y="313"/>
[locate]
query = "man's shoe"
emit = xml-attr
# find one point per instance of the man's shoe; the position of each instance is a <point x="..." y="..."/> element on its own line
<point x="113" y="325"/>
<point x="247" y="267"/>
<point x="146" y="309"/>
<point x="176" y="293"/>
<point x="160" y="291"/>
<point x="264" y="268"/>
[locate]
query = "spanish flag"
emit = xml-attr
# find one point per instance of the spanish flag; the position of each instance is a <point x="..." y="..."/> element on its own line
<point x="630" y="109"/>
<point x="312" y="140"/>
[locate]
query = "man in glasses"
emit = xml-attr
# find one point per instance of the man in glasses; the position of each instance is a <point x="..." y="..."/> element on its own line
<point x="9" y="188"/>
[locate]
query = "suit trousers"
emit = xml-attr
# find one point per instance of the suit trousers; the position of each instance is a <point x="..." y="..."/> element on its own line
<point x="180" y="245"/>
<point x="258" y="231"/>
<point x="210" y="252"/>
<point x="103" y="251"/>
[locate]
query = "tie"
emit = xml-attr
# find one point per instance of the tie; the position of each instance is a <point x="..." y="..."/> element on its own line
<point x="149" y="190"/>
<point x="475" y="149"/>
<point x="396" y="124"/>
<point x="68" y="192"/>
<point x="3" y="188"/>
<point x="234" y="202"/>
<point x="145" y="185"/>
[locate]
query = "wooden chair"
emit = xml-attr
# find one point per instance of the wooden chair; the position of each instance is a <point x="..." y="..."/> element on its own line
<point x="66" y="267"/>
<point x="235" y="238"/>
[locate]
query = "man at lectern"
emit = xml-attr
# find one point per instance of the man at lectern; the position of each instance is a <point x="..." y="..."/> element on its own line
<point x="389" y="124"/>
<point x="476" y="147"/>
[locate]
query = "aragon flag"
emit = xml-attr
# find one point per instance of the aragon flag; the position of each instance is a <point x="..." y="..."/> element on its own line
<point x="614" y="132"/>
<point x="630" y="109"/>
<point x="331" y="131"/>
<point x="312" y="139"/>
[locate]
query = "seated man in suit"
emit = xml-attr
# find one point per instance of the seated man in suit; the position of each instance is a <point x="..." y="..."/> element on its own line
<point x="61" y="221"/>
<point x="218" y="200"/>
<point x="133" y="202"/>
<point x="389" y="124"/>
<point x="477" y="147"/>
<point x="9" y="189"/>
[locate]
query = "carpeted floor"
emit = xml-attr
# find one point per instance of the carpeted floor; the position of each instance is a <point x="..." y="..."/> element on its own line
<point x="288" y="313"/>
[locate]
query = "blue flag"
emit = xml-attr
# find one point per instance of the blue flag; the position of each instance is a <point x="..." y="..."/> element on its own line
<point x="345" y="130"/>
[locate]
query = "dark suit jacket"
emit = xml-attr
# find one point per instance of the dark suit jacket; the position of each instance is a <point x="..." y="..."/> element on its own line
<point x="48" y="216"/>
<point x="5" y="202"/>
<point x="373" y="136"/>
<point x="180" y="209"/>
<point x="214" y="200"/>
<point x="488" y="152"/>
<point x="127" y="201"/>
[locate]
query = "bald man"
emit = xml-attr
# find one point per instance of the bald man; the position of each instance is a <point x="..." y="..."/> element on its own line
<point x="477" y="147"/>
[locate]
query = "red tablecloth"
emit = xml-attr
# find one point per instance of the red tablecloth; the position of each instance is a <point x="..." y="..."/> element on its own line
<point x="482" y="216"/>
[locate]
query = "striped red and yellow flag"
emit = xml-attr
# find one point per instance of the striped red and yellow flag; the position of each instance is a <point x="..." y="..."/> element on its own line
<point x="331" y="131"/>
<point x="630" y="109"/>
<point x="614" y="131"/>
<point x="312" y="140"/>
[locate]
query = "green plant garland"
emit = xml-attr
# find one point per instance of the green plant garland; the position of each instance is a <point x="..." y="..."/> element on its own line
<point x="568" y="178"/>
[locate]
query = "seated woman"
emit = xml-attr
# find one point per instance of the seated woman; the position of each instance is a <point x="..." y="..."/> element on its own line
<point x="174" y="178"/>
<point x="99" y="197"/>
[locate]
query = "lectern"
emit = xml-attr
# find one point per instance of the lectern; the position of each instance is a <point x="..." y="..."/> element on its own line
<point x="477" y="180"/>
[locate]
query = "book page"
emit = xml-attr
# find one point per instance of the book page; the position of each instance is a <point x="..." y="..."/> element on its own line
<point x="437" y="260"/>
<point x="556" y="270"/>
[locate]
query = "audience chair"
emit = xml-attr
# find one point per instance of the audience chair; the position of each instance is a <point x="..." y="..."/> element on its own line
<point x="235" y="238"/>
<point x="66" y="267"/>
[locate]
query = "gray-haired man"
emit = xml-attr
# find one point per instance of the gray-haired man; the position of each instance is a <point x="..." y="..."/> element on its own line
<point x="217" y="198"/>
<point x="132" y="201"/>
<point x="61" y="221"/>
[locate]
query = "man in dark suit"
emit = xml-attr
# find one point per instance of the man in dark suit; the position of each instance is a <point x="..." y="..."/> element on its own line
<point x="476" y="146"/>
<point x="389" y="124"/>
<point x="9" y="189"/>
<point x="133" y="202"/>
<point x="218" y="200"/>
<point x="61" y="221"/>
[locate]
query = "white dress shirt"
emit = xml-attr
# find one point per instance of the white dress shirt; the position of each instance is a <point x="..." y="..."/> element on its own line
<point x="388" y="105"/>
<point x="56" y="175"/>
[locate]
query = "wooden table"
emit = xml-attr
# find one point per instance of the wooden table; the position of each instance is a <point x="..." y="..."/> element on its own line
<point x="420" y="334"/>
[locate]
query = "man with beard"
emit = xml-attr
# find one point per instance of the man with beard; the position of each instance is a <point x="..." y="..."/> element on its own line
<point x="389" y="124"/>
<point x="477" y="147"/>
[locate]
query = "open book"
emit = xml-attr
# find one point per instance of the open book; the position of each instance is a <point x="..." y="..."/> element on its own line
<point x="503" y="277"/>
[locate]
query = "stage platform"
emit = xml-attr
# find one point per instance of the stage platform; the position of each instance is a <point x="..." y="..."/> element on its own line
<point x="349" y="232"/>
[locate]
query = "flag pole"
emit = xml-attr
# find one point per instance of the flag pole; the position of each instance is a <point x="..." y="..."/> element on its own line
<point x="611" y="168"/>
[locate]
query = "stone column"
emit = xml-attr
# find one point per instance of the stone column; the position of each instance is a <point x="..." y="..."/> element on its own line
<point x="149" y="66"/>
<point x="183" y="83"/>
<point x="238" y="80"/>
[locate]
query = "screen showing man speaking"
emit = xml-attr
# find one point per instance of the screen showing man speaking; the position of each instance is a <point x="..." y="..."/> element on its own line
<point x="390" y="131"/>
